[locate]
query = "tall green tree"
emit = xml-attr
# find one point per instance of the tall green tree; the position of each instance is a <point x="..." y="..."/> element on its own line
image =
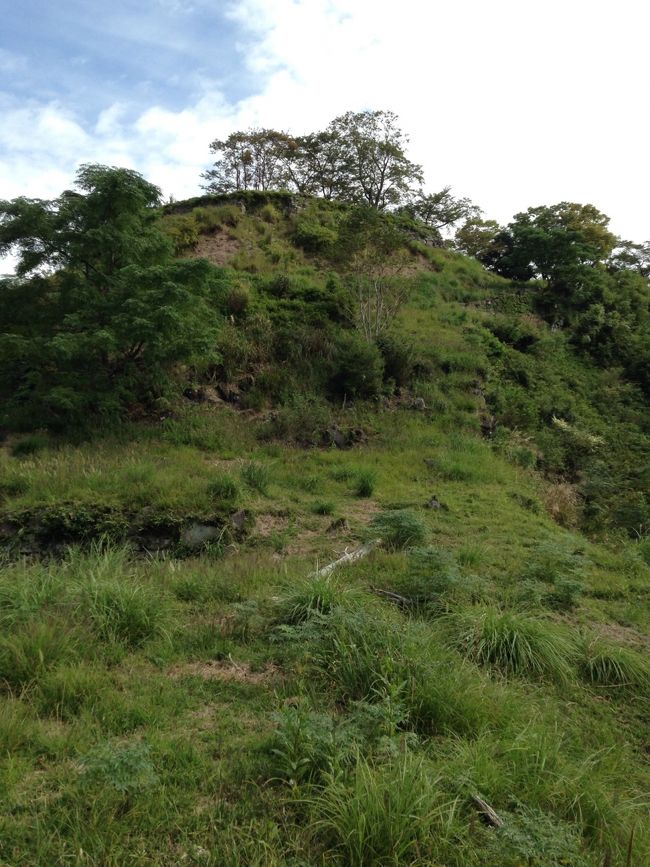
<point x="551" y="242"/>
<point x="253" y="159"/>
<point x="99" y="310"/>
<point x="374" y="167"/>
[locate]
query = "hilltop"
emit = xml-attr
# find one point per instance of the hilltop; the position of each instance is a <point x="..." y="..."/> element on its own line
<point x="181" y="688"/>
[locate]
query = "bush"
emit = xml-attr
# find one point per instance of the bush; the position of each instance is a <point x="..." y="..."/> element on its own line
<point x="398" y="529"/>
<point x="358" y="368"/>
<point x="305" y="746"/>
<point x="127" y="768"/>
<point x="431" y="576"/>
<point x="399" y="359"/>
<point x="29" y="445"/>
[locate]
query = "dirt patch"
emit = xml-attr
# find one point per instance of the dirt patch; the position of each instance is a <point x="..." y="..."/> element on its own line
<point x="362" y="511"/>
<point x="623" y="635"/>
<point x="223" y="670"/>
<point x="266" y="525"/>
<point x="218" y="248"/>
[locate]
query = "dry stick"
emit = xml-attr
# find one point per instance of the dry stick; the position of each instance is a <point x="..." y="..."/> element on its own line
<point x="348" y="557"/>
<point x="487" y="812"/>
<point x="402" y="601"/>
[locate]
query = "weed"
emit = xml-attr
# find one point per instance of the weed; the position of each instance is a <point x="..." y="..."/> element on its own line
<point x="29" y="445"/>
<point x="127" y="768"/>
<point x="32" y="648"/>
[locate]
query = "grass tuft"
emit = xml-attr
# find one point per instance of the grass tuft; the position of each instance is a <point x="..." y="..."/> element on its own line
<point x="513" y="643"/>
<point x="399" y="529"/>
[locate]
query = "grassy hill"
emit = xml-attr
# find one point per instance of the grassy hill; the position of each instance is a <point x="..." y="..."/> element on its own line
<point x="179" y="687"/>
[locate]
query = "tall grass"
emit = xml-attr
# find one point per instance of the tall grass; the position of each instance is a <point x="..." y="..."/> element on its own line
<point x="513" y="644"/>
<point x="609" y="665"/>
<point x="393" y="814"/>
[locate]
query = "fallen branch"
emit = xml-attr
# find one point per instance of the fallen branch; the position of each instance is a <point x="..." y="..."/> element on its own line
<point x="402" y="601"/>
<point x="348" y="557"/>
<point x="486" y="811"/>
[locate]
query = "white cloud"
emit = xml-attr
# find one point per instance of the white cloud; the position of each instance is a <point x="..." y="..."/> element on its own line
<point x="514" y="104"/>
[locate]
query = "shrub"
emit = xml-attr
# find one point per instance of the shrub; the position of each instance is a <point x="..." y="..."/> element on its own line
<point x="399" y="529"/>
<point x="183" y="231"/>
<point x="305" y="745"/>
<point x="323" y="508"/>
<point x="431" y="574"/>
<point x="358" y="368"/>
<point x="29" y="445"/>
<point x="307" y="598"/>
<point x="551" y="562"/>
<point x="512" y="643"/>
<point x="643" y="548"/>
<point x="558" y="566"/>
<point x="68" y="689"/>
<point x="399" y="359"/>
<point x="268" y="213"/>
<point x="303" y="419"/>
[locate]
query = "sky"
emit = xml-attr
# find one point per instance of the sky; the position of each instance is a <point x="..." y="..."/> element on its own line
<point x="514" y="103"/>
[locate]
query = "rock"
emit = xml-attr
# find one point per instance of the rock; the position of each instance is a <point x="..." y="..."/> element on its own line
<point x="197" y="535"/>
<point x="337" y="525"/>
<point x="155" y="542"/>
<point x="239" y="520"/>
<point x="228" y="392"/>
<point x="488" y="425"/>
<point x="334" y="436"/>
<point x="418" y="404"/>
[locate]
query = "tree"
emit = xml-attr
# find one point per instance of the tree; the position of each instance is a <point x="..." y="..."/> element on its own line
<point x="552" y="242"/>
<point x="441" y="210"/>
<point x="255" y="159"/>
<point x="98" y="311"/>
<point x="477" y="238"/>
<point x="315" y="165"/>
<point x="372" y="256"/>
<point x="374" y="167"/>
<point x="628" y="255"/>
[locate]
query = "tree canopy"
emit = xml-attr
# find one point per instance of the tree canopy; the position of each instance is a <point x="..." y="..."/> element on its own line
<point x="359" y="158"/>
<point x="99" y="309"/>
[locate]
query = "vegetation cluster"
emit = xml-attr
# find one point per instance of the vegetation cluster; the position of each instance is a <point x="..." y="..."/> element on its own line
<point x="205" y="402"/>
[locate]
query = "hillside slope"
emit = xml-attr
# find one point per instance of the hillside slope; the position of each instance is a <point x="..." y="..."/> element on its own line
<point x="179" y="688"/>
